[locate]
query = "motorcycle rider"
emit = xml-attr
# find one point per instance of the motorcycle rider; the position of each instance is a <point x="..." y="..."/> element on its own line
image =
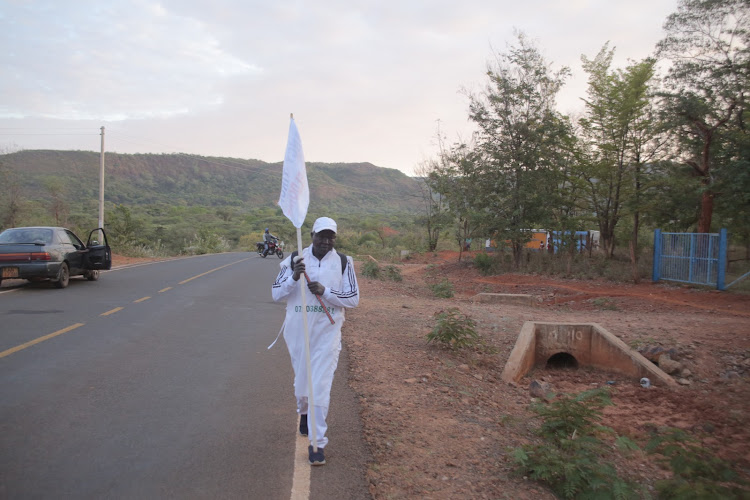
<point x="268" y="237"/>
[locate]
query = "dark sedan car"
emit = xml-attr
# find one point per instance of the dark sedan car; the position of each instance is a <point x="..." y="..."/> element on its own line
<point x="54" y="253"/>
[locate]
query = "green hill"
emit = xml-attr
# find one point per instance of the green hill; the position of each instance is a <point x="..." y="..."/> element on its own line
<point x="186" y="180"/>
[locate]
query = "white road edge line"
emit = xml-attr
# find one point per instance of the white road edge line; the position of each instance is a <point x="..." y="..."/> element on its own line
<point x="301" y="478"/>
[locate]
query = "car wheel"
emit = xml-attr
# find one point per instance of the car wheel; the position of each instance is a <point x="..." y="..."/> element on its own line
<point x="63" y="276"/>
<point x="92" y="275"/>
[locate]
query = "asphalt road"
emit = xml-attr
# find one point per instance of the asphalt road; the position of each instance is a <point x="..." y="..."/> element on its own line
<point x="155" y="382"/>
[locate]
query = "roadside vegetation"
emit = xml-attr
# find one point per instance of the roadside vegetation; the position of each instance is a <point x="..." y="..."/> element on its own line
<point x="453" y="330"/>
<point x="574" y="457"/>
<point x="578" y="457"/>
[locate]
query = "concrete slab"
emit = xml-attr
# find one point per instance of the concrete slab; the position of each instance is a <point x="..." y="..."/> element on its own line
<point x="589" y="343"/>
<point x="519" y="299"/>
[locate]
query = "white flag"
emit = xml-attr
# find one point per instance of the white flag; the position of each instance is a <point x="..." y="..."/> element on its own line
<point x="295" y="193"/>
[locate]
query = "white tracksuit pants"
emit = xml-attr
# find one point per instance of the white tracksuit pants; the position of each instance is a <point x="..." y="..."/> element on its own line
<point x="321" y="425"/>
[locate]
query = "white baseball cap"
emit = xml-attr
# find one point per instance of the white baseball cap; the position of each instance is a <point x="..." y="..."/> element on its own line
<point x="323" y="223"/>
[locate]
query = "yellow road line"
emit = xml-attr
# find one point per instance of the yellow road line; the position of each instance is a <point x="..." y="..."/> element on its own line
<point x="165" y="289"/>
<point x="301" y="474"/>
<point x="212" y="270"/>
<point x="40" y="339"/>
<point x="112" y="311"/>
<point x="141" y="299"/>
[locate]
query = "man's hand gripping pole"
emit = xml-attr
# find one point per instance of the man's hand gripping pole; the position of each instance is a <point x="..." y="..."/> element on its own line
<point x="298" y="257"/>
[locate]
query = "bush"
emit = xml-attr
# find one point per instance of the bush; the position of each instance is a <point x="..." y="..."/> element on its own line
<point x="453" y="330"/>
<point x="696" y="472"/>
<point x="579" y="266"/>
<point x="392" y="273"/>
<point x="571" y="460"/>
<point x="444" y="289"/>
<point x="371" y="269"/>
<point x="485" y="264"/>
<point x="157" y="250"/>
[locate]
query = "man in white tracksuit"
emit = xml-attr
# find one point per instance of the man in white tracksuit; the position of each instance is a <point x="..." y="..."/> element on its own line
<point x="332" y="278"/>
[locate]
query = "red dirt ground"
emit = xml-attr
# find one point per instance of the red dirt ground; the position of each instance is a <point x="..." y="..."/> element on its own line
<point x="441" y="424"/>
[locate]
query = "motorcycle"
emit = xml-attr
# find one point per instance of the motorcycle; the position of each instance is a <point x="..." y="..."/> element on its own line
<point x="273" y="248"/>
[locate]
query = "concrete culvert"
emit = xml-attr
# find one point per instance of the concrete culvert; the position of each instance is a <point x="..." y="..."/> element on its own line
<point x="569" y="345"/>
<point x="562" y="361"/>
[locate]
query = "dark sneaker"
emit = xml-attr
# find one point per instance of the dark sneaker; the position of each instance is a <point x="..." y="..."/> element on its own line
<point x="303" y="425"/>
<point x="316" y="458"/>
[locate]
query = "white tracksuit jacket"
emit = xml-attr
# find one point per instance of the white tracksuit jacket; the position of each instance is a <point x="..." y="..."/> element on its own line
<point x="341" y="292"/>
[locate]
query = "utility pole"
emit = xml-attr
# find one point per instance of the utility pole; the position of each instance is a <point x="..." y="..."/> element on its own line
<point x="101" y="184"/>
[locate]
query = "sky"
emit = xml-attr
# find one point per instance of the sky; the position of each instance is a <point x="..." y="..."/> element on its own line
<point x="367" y="80"/>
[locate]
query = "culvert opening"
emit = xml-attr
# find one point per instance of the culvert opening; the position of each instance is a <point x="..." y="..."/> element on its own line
<point x="562" y="361"/>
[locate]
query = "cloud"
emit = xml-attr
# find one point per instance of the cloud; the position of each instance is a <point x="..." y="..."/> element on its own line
<point x="112" y="61"/>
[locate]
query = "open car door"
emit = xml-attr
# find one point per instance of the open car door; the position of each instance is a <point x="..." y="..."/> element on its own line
<point x="99" y="256"/>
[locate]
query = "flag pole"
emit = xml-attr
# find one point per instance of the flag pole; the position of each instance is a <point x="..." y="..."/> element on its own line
<point x="310" y="399"/>
<point x="294" y="200"/>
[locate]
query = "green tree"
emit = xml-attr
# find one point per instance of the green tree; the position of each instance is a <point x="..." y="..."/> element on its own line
<point x="225" y="213"/>
<point x="648" y="149"/>
<point x="377" y="227"/>
<point x="457" y="185"/>
<point x="122" y="227"/>
<point x="58" y="206"/>
<point x="11" y="202"/>
<point x="564" y="194"/>
<point x="708" y="46"/>
<point x="513" y="162"/>
<point x="615" y="132"/>
<point x="733" y="182"/>
<point x="435" y="216"/>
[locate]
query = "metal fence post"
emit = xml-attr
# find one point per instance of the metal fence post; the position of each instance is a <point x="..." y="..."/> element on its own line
<point x="722" y="270"/>
<point x="657" y="255"/>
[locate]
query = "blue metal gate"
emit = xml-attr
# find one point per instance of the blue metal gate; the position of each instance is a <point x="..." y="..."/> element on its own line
<point x="699" y="258"/>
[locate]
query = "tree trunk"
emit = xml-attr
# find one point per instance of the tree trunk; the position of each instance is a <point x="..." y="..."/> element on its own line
<point x="634" y="261"/>
<point x="634" y="249"/>
<point x="707" y="209"/>
<point x="433" y="234"/>
<point x="608" y="242"/>
<point x="517" y="254"/>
